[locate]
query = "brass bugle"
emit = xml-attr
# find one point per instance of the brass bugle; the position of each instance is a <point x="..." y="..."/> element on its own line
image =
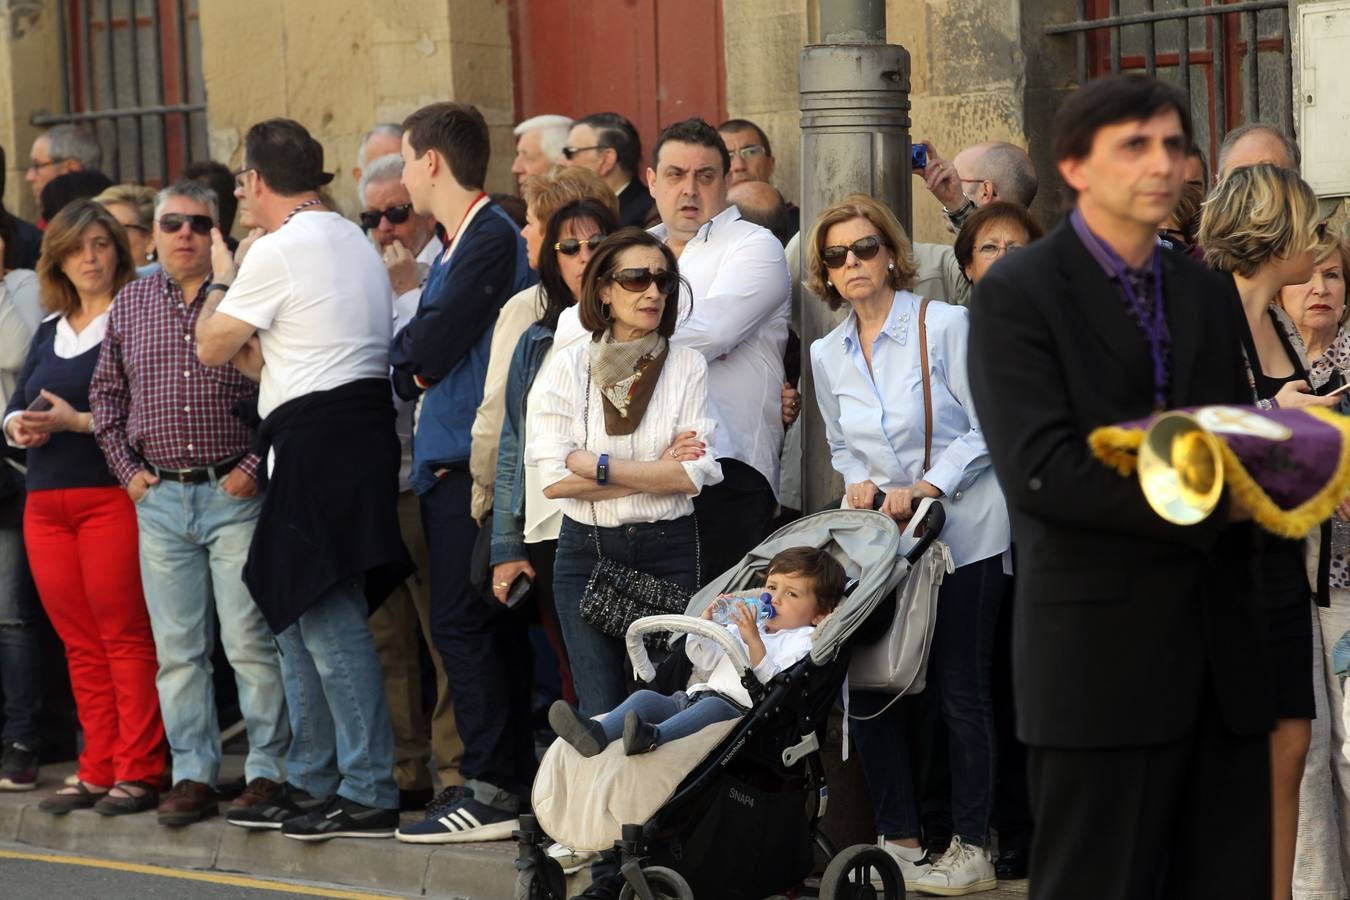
<point x="1180" y="469"/>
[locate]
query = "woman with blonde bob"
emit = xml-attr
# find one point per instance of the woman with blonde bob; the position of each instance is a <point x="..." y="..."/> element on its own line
<point x="1318" y="309"/>
<point x="869" y="385"/>
<point x="79" y="524"/>
<point x="1261" y="226"/>
<point x="134" y="206"/>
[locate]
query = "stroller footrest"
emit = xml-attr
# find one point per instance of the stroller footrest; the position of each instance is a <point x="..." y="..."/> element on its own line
<point x="798" y="751"/>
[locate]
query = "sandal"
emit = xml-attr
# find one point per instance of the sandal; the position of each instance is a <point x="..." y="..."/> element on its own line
<point x="80" y="798"/>
<point x="121" y="806"/>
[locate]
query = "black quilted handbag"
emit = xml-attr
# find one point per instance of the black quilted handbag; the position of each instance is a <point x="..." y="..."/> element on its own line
<point x="617" y="595"/>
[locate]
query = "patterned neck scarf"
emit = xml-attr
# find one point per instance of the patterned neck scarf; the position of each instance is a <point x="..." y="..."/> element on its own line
<point x="619" y="369"/>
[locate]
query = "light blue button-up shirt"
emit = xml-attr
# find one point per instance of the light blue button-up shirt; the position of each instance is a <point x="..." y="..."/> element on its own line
<point x="874" y="421"/>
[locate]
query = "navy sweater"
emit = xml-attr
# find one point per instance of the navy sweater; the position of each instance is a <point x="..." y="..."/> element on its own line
<point x="69" y="459"/>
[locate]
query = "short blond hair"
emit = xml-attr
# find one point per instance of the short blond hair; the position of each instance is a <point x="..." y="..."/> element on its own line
<point x="1255" y="214"/>
<point x="548" y="193"/>
<point x="859" y="206"/>
<point x="137" y="196"/>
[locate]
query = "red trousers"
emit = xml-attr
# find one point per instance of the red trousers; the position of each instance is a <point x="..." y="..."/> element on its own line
<point x="82" y="548"/>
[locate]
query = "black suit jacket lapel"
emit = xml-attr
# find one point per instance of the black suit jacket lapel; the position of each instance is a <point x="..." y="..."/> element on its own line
<point x="1096" y="300"/>
<point x="1184" y="325"/>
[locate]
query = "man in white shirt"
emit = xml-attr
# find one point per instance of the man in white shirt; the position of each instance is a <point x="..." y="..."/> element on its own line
<point x="408" y="245"/>
<point x="737" y="317"/>
<point x="308" y="313"/>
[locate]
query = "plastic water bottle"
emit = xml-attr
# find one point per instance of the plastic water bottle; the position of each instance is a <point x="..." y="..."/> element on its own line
<point x="760" y="603"/>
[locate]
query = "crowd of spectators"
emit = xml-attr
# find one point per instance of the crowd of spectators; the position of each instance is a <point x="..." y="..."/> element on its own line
<point x="366" y="468"/>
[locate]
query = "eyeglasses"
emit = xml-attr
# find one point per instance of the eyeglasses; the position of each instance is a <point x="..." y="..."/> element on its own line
<point x="863" y="248"/>
<point x="749" y="151"/>
<point x="173" y="222"/>
<point x="239" y="174"/>
<point x="396" y="215"/>
<point x="993" y="249"/>
<point x="569" y="152"/>
<point x="35" y="166"/>
<point x="638" y="280"/>
<point x="572" y="246"/>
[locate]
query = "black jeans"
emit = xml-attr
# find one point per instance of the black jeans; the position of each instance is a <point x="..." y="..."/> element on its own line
<point x="960" y="672"/>
<point x="484" y="648"/>
<point x="734" y="516"/>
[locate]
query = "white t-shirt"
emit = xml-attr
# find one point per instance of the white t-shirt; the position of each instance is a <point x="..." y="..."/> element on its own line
<point x="318" y="294"/>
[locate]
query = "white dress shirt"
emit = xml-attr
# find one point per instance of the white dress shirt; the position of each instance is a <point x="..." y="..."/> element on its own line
<point x="874" y="421"/>
<point x="557" y="426"/>
<point x="739" y="321"/>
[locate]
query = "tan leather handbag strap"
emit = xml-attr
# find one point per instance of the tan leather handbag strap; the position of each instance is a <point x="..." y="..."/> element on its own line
<point x="927" y="388"/>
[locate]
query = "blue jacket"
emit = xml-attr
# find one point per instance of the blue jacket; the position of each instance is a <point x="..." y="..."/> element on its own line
<point x="447" y="342"/>
<point x="508" y="498"/>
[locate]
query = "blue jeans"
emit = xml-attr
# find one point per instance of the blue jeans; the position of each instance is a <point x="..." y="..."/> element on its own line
<point x="194" y="539"/>
<point x="341" y="738"/>
<point x="20" y="615"/>
<point x="674" y="716"/>
<point x="662" y="549"/>
<point x="959" y="670"/>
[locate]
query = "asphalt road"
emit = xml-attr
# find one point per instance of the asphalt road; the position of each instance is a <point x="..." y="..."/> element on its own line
<point x="28" y="873"/>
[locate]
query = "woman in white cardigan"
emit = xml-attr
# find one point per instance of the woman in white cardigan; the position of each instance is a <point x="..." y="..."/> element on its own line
<point x="623" y="439"/>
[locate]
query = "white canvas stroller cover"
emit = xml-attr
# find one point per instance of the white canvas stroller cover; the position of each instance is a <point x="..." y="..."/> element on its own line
<point x="583" y="803"/>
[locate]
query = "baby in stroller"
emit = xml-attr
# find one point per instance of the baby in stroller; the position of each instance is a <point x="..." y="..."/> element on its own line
<point x="805" y="584"/>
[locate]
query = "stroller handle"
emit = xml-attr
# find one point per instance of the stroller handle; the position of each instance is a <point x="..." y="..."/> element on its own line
<point x="637" y="650"/>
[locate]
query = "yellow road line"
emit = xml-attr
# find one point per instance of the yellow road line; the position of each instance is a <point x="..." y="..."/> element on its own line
<point x="208" y="877"/>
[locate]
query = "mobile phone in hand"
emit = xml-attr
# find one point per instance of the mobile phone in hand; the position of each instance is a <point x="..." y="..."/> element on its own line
<point x="1338" y="392"/>
<point x="40" y="404"/>
<point x="519" y="590"/>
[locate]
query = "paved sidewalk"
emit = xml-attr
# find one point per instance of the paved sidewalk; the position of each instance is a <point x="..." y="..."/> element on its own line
<point x="459" y="871"/>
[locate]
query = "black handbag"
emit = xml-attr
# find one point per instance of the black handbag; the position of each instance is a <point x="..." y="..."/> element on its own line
<point x="617" y="595"/>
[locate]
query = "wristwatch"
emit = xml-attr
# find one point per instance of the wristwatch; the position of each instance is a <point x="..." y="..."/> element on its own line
<point x="958" y="216"/>
<point x="217" y="286"/>
<point x="602" y="469"/>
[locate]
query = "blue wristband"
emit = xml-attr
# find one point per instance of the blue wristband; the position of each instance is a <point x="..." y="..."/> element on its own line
<point x="602" y="469"/>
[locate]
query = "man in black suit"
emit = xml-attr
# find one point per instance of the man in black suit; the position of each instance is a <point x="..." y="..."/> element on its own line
<point x="1140" y="666"/>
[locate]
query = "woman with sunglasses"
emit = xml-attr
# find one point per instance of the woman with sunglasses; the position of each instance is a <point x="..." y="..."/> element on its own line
<point x="1317" y="308"/>
<point x="80" y="526"/>
<point x="134" y="206"/>
<point x="578" y="209"/>
<point x="889" y="444"/>
<point x="621" y="436"/>
<point x="1261" y="226"/>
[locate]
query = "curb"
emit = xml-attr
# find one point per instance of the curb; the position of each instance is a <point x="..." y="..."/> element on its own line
<point x="459" y="871"/>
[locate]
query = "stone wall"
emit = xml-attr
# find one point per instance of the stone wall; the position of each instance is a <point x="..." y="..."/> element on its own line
<point x="343" y="65"/>
<point x="967" y="76"/>
<point x="28" y="44"/>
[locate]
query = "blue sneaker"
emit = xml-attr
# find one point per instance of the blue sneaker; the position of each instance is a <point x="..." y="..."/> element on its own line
<point x="463" y="819"/>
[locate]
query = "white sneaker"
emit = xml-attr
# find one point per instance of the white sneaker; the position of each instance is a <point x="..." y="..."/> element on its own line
<point x="962" y="870"/>
<point x="910" y="870"/>
<point x="570" y="860"/>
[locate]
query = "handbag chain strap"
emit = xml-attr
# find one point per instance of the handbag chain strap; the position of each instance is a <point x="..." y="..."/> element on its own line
<point x="595" y="519"/>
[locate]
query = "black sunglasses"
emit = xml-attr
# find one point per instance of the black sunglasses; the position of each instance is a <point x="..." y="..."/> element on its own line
<point x="863" y="248"/>
<point x="172" y="222"/>
<point x="569" y="152"/>
<point x="396" y="215"/>
<point x="572" y="246"/>
<point x="638" y="280"/>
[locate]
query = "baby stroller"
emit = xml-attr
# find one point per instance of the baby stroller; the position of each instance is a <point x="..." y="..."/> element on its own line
<point x="732" y="812"/>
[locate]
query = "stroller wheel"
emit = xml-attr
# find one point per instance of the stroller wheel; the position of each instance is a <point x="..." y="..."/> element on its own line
<point x="855" y="873"/>
<point x="666" y="884"/>
<point x="542" y="881"/>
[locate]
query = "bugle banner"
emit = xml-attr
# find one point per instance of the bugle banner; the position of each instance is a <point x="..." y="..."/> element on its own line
<point x="1289" y="467"/>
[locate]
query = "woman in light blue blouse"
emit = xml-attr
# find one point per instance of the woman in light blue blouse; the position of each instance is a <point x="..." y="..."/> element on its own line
<point x="869" y="385"/>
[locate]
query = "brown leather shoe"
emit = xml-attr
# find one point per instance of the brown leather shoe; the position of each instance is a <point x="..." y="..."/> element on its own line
<point x="188" y="802"/>
<point x="256" y="792"/>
